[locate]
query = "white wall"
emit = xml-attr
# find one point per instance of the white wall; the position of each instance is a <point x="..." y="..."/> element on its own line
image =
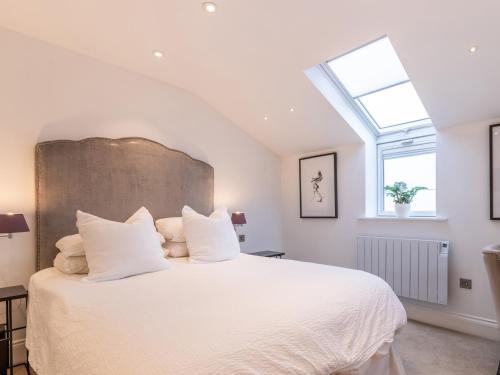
<point x="463" y="197"/>
<point x="49" y="93"/>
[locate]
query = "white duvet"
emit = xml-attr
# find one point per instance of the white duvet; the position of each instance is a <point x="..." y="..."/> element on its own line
<point x="250" y="315"/>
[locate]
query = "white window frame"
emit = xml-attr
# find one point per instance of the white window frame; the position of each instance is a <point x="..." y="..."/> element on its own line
<point x="401" y="140"/>
<point x="391" y="148"/>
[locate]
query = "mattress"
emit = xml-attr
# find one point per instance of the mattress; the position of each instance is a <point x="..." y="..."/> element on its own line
<point x="250" y="315"/>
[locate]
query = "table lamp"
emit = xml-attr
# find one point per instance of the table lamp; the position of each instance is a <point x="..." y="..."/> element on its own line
<point x="12" y="223"/>
<point x="238" y="218"/>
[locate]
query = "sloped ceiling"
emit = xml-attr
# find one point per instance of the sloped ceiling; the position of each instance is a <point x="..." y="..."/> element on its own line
<point x="247" y="59"/>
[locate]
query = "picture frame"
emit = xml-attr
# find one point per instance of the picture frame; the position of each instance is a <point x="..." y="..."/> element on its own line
<point x="494" y="140"/>
<point x="318" y="186"/>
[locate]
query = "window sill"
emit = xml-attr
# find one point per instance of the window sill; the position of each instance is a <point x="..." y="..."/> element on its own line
<point x="410" y="219"/>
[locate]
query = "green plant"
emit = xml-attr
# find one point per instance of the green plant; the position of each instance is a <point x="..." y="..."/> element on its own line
<point x="400" y="193"/>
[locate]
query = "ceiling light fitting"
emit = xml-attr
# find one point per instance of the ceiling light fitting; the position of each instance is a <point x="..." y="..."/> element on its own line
<point x="209" y="7"/>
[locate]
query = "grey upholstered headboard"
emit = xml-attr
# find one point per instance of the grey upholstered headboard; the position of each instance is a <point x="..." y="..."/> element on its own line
<point x="112" y="178"/>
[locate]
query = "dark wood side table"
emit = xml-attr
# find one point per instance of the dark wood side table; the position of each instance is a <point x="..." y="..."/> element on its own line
<point x="268" y="254"/>
<point x="8" y="295"/>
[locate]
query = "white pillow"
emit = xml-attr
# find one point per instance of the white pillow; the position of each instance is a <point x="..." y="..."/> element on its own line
<point x="71" y="265"/>
<point x="116" y="250"/>
<point x="171" y="228"/>
<point x="209" y="239"/>
<point x="177" y="249"/>
<point x="72" y="246"/>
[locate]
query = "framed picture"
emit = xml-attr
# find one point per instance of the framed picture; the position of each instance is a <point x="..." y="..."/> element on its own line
<point x="495" y="172"/>
<point x="318" y="186"/>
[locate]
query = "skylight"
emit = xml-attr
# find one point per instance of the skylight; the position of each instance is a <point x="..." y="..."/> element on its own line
<point x="377" y="84"/>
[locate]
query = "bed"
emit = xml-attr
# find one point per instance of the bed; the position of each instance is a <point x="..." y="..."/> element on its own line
<point x="250" y="315"/>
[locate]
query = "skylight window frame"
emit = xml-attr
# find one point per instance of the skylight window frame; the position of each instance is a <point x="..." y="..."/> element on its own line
<point x="363" y="116"/>
<point x="377" y="90"/>
<point x="361" y="111"/>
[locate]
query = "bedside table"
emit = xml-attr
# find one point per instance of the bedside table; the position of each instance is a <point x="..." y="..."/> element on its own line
<point x="8" y="295"/>
<point x="268" y="254"/>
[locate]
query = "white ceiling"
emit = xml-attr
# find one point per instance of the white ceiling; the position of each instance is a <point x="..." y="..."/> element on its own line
<point x="247" y="59"/>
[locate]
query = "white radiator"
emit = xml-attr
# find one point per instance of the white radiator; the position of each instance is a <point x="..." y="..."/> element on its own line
<point x="416" y="269"/>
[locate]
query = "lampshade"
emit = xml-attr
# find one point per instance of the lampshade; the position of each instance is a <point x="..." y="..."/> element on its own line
<point x="13" y="223"/>
<point x="238" y="218"/>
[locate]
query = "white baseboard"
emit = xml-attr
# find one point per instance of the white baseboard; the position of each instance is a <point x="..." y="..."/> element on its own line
<point x="470" y="324"/>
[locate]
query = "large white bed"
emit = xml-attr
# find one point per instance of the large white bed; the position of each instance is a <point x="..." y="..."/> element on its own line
<point x="251" y="315"/>
<point x="248" y="315"/>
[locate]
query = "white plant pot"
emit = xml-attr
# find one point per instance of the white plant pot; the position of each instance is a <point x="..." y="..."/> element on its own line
<point x="402" y="209"/>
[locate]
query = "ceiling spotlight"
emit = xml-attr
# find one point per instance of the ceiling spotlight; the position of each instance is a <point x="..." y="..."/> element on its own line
<point x="473" y="49"/>
<point x="265" y="118"/>
<point x="209" y="7"/>
<point x="292" y="109"/>
<point x="158" y="54"/>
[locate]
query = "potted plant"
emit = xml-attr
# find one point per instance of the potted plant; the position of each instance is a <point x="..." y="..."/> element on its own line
<point x="402" y="197"/>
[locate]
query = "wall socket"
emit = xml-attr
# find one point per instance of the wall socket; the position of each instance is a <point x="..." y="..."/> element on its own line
<point x="242" y="238"/>
<point x="466" y="283"/>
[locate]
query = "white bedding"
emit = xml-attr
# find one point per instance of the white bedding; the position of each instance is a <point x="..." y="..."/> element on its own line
<point x="250" y="315"/>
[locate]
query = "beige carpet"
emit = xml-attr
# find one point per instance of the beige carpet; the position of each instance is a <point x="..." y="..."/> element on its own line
<point x="428" y="350"/>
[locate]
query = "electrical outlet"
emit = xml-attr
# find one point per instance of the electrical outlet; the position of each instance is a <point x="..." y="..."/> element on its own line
<point x="242" y="238"/>
<point x="466" y="283"/>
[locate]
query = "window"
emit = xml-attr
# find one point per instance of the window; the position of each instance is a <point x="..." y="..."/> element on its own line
<point x="414" y="162"/>
<point x="376" y="83"/>
<point x="377" y="89"/>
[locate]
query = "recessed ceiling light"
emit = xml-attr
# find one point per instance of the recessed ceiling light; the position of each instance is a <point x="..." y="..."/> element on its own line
<point x="292" y="109"/>
<point x="473" y="49"/>
<point x="265" y="118"/>
<point x="209" y="7"/>
<point x="158" y="54"/>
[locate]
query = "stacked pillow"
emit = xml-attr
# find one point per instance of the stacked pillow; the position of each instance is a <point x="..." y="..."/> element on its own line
<point x="71" y="265"/>
<point x="173" y="231"/>
<point x="71" y="258"/>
